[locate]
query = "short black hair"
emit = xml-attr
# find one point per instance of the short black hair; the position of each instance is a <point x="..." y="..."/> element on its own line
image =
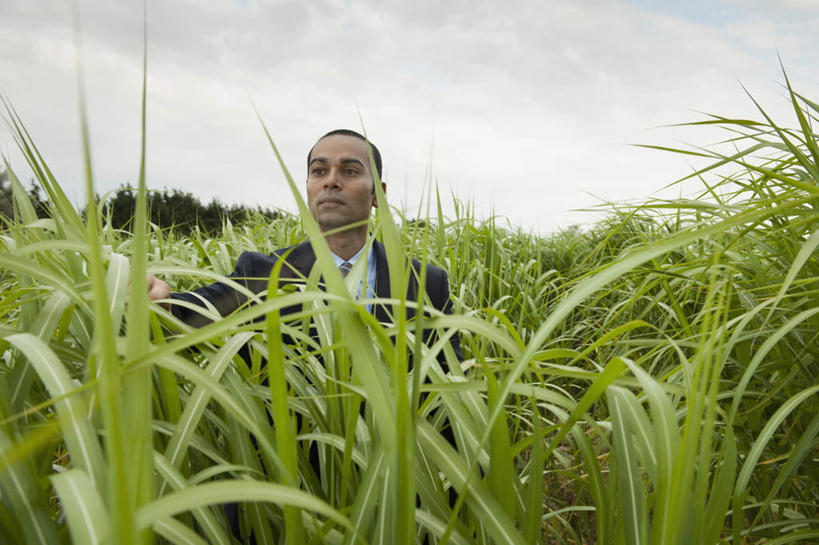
<point x="348" y="132"/>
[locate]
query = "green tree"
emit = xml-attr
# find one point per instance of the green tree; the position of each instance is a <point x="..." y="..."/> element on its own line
<point x="179" y="209"/>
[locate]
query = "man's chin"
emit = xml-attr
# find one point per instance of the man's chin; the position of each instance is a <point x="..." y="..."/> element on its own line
<point x="330" y="223"/>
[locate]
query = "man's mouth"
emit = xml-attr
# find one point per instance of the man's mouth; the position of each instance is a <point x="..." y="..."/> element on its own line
<point x="330" y="201"/>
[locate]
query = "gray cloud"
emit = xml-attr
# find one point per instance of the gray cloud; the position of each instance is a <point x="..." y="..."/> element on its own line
<point x="517" y="106"/>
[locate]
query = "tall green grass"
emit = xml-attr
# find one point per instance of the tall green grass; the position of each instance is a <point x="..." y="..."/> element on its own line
<point x="651" y="380"/>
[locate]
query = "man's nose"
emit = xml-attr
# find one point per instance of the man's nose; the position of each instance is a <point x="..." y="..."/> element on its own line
<point x="333" y="179"/>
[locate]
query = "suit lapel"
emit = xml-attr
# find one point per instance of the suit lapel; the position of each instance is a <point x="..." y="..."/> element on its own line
<point x="382" y="284"/>
<point x="382" y="281"/>
<point x="301" y="259"/>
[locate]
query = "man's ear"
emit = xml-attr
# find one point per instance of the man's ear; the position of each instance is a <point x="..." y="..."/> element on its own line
<point x="375" y="195"/>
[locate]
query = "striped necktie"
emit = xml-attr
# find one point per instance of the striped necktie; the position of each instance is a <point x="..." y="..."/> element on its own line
<point x="345" y="268"/>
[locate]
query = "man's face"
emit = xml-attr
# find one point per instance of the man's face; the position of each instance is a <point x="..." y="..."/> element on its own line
<point x="339" y="182"/>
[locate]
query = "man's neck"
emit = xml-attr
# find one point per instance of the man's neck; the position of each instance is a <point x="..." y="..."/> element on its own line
<point x="346" y="244"/>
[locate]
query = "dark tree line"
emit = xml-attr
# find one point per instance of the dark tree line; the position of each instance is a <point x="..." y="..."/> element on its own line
<point x="179" y="210"/>
<point x="175" y="209"/>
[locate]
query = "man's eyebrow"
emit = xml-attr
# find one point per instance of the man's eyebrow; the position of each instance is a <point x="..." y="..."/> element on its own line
<point x="352" y="160"/>
<point x="343" y="161"/>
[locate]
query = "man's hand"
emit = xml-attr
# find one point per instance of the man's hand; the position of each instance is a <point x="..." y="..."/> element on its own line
<point x="158" y="289"/>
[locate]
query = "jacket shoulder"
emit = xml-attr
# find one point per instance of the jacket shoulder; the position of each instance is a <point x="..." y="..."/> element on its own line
<point x="434" y="273"/>
<point x="436" y="283"/>
<point x="253" y="264"/>
<point x="293" y="254"/>
<point x="300" y="249"/>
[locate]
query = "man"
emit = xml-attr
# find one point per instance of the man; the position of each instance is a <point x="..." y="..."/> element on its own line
<point x="340" y="195"/>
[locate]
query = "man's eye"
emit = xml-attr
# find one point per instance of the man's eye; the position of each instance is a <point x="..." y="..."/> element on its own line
<point x="317" y="171"/>
<point x="350" y="171"/>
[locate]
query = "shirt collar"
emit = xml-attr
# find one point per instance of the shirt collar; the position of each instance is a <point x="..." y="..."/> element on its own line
<point x="352" y="260"/>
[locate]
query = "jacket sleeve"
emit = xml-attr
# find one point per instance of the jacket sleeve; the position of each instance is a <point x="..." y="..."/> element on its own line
<point x="251" y="271"/>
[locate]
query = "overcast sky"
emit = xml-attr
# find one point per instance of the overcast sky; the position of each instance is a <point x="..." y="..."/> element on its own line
<point x="524" y="108"/>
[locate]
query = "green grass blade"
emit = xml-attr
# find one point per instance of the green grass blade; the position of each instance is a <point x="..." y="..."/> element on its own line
<point x="721" y="489"/>
<point x="200" y="397"/>
<point x="492" y="514"/>
<point x="534" y="505"/>
<point x="137" y="386"/>
<point x="234" y="491"/>
<point x="629" y="483"/>
<point x="595" y="390"/>
<point x="23" y="208"/>
<point x="801" y="451"/>
<point x="43" y="327"/>
<point x="285" y="441"/>
<point x="806" y="252"/>
<point x="765" y="435"/>
<point x="666" y="441"/>
<point x="28" y="506"/>
<point x="79" y="435"/>
<point x="87" y="517"/>
<point x="119" y="496"/>
<point x="367" y="497"/>
<point x="177" y="533"/>
<point x="762" y="353"/>
<point x="501" y="475"/>
<point x="33" y="270"/>
<point x="207" y="520"/>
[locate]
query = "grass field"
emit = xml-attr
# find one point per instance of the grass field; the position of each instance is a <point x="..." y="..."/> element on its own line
<point x="650" y="380"/>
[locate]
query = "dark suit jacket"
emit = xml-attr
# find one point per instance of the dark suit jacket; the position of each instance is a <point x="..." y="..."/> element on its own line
<point x="253" y="269"/>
